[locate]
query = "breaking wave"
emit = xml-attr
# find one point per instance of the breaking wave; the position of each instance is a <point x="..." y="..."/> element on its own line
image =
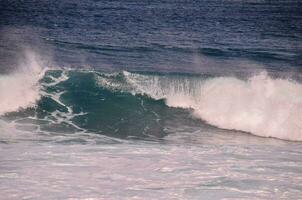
<point x="136" y="104"/>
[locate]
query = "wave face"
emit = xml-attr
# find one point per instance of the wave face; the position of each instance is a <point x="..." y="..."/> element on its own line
<point x="145" y="105"/>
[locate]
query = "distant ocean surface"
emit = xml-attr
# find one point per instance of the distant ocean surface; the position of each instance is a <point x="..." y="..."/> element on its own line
<point x="150" y="99"/>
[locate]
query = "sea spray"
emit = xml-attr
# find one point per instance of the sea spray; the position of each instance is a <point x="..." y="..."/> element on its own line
<point x="20" y="89"/>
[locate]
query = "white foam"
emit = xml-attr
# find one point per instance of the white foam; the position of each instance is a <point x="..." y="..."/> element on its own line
<point x="20" y="89"/>
<point x="261" y="105"/>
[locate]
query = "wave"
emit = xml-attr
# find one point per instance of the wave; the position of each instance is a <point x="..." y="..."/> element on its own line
<point x="143" y="104"/>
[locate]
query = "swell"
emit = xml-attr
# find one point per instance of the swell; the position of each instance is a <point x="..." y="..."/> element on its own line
<point x="260" y="54"/>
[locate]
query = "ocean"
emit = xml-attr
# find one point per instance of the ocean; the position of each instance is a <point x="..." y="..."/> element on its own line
<point x="163" y="99"/>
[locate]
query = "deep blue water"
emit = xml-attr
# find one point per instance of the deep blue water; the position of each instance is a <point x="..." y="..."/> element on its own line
<point x="179" y="36"/>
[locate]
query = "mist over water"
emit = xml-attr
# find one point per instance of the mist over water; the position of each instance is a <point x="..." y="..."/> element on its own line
<point x="150" y="100"/>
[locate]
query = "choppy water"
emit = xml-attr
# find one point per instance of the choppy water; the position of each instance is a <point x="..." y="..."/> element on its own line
<point x="150" y="100"/>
